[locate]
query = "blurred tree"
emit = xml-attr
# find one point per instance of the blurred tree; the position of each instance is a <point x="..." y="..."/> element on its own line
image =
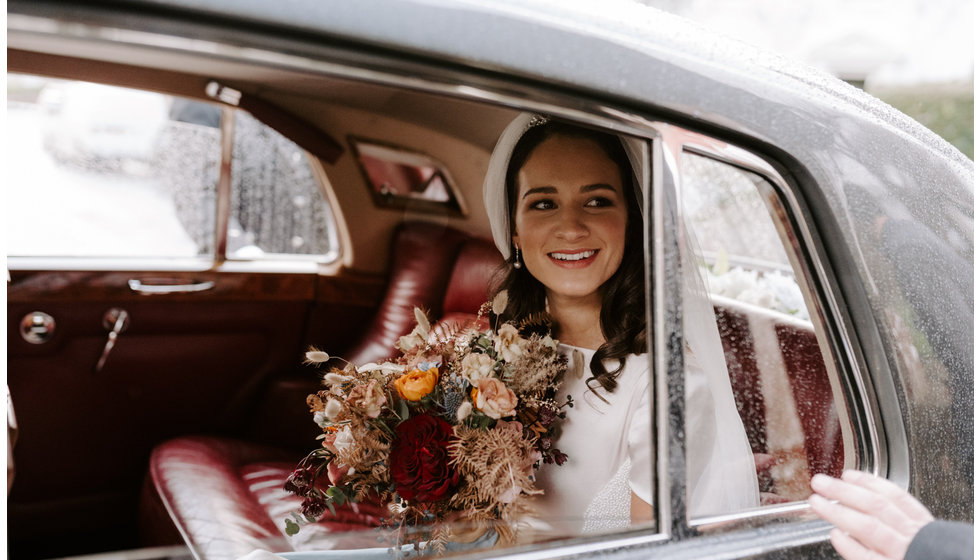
<point x="947" y="110"/>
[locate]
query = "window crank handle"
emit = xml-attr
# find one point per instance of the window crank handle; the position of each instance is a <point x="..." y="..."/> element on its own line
<point x="119" y="320"/>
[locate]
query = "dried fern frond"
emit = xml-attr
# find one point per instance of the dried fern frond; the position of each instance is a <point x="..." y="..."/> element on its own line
<point x="537" y="323"/>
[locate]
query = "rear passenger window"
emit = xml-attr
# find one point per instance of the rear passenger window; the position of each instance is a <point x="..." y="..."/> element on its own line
<point x="784" y="392"/>
<point x="97" y="171"/>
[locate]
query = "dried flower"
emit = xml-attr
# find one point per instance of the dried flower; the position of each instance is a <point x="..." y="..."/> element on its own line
<point x="386" y="367"/>
<point x="419" y="334"/>
<point x="368" y="398"/>
<point x="315" y="356"/>
<point x="332" y="410"/>
<point x="463" y="411"/>
<point x="500" y="302"/>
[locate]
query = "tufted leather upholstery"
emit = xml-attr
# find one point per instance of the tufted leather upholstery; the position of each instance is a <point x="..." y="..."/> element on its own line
<point x="426" y="273"/>
<point x="199" y="482"/>
<point x="225" y="497"/>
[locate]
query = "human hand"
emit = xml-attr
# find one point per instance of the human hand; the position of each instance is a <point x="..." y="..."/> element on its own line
<point x="874" y="519"/>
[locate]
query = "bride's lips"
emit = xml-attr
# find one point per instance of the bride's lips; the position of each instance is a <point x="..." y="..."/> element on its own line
<point x="580" y="258"/>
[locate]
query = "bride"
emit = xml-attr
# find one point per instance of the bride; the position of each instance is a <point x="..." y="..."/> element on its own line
<point x="565" y="209"/>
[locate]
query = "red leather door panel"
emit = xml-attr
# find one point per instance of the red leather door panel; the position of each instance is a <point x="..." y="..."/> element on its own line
<point x="193" y="363"/>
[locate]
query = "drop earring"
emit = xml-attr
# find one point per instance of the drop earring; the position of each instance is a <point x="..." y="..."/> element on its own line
<point x="517" y="256"/>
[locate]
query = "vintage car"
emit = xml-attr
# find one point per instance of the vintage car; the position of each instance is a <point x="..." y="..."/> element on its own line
<point x="319" y="174"/>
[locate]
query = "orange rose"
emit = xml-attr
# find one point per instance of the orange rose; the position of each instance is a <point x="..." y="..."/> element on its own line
<point x="417" y="383"/>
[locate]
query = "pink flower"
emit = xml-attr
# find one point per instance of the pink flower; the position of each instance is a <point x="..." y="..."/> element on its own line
<point x="493" y="398"/>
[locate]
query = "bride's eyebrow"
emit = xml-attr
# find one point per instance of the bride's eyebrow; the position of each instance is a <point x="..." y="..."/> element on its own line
<point x="539" y="190"/>
<point x="598" y="187"/>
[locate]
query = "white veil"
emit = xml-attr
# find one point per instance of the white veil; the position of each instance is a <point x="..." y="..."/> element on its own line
<point x="720" y="466"/>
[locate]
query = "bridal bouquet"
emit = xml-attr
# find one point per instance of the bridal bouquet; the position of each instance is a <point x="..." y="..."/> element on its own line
<point x="453" y="430"/>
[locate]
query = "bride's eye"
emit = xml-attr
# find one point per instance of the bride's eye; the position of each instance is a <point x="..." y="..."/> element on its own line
<point x="599" y="202"/>
<point x="542" y="204"/>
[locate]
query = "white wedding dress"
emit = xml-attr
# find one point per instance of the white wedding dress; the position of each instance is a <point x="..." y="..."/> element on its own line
<point x="610" y="452"/>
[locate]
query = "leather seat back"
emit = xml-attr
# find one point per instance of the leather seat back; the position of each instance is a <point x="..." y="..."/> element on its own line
<point x="440" y="269"/>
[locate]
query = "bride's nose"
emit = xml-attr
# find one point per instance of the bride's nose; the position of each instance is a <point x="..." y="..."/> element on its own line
<point x="572" y="224"/>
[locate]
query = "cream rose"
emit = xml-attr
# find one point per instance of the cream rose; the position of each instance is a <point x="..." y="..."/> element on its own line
<point x="493" y="398"/>
<point x="477" y="366"/>
<point x="508" y="343"/>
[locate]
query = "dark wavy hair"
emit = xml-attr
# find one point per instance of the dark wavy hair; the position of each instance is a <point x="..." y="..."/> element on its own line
<point x="623" y="327"/>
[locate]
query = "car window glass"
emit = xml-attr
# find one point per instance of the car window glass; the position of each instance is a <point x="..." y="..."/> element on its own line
<point x="778" y="373"/>
<point x="87" y="172"/>
<point x="276" y="205"/>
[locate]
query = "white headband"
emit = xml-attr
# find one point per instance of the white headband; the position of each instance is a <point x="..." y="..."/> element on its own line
<point x="495" y="181"/>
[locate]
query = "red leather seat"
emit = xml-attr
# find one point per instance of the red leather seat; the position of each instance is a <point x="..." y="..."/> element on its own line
<point x="439" y="269"/>
<point x="225" y="498"/>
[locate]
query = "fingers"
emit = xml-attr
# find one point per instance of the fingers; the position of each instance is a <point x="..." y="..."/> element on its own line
<point x="875" y="497"/>
<point x="905" y="502"/>
<point x="870" y="512"/>
<point x="870" y="533"/>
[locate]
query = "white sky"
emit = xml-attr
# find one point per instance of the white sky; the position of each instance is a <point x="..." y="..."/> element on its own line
<point x="885" y="42"/>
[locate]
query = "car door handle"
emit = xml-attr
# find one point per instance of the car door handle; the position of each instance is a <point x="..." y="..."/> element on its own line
<point x="139" y="287"/>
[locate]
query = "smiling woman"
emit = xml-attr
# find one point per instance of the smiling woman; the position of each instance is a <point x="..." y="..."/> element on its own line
<point x="571" y="200"/>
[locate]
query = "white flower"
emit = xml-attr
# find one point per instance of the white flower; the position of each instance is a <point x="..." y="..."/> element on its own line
<point x="463" y="411"/>
<point x="332" y="409"/>
<point x="320" y="419"/>
<point x="423" y="322"/>
<point x="477" y="366"/>
<point x="315" y="356"/>
<point x="335" y="382"/>
<point x="344" y="440"/>
<point x="508" y="343"/>
<point x="419" y="334"/>
<point x="386" y="367"/>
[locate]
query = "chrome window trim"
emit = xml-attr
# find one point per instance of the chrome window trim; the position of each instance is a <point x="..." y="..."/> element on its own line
<point x="270" y="264"/>
<point x="379" y="70"/>
<point x="222" y="212"/>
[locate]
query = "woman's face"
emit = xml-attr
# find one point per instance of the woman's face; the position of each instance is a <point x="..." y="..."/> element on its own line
<point x="570" y="217"/>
